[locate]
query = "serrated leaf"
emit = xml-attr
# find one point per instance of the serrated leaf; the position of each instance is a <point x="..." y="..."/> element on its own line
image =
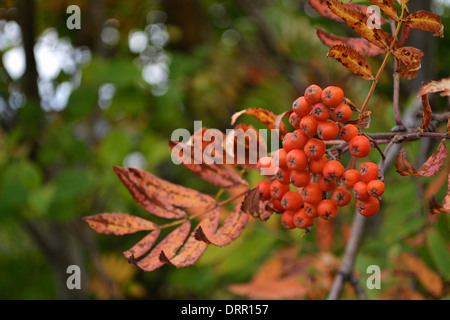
<point x="425" y="21"/>
<point x="388" y="7"/>
<point x="361" y="45"/>
<point x="409" y="72"/>
<point x="321" y="7"/>
<point x="230" y="230"/>
<point x="143" y="246"/>
<point x="357" y="20"/>
<point x="218" y="174"/>
<point x="352" y="60"/>
<point x="118" y="223"/>
<point x="442" y="86"/>
<point x="169" y="245"/>
<point x="158" y="196"/>
<point x="408" y="55"/>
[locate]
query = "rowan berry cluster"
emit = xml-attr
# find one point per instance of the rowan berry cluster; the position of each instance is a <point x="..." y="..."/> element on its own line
<point x="320" y="183"/>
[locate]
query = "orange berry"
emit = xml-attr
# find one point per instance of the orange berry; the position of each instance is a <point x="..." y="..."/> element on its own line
<point x="312" y="193"/>
<point x="316" y="165"/>
<point x="342" y="113"/>
<point x="264" y="189"/>
<point x="351" y="177"/>
<point x="369" y="171"/>
<point x="297" y="160"/>
<point x="278" y="189"/>
<point x="298" y="139"/>
<point x="327" y="130"/>
<point x="300" y="178"/>
<point x="287" y="219"/>
<point x="348" y="132"/>
<point x="292" y="201"/>
<point x="359" y="146"/>
<point x="332" y="96"/>
<point x="341" y="196"/>
<point x="327" y="209"/>
<point x="309" y="125"/>
<point x="301" y="107"/>
<point x="320" y="112"/>
<point x="333" y="170"/>
<point x="301" y="220"/>
<point x="369" y="207"/>
<point x="315" y="148"/>
<point x="294" y="120"/>
<point x="360" y="191"/>
<point x="375" y="188"/>
<point x="326" y="184"/>
<point x="313" y="94"/>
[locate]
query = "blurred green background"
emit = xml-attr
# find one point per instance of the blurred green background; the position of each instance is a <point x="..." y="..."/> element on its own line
<point x="112" y="92"/>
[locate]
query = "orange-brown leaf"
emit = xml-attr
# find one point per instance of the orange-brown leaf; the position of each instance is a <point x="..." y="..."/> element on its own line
<point x="159" y="196"/>
<point x="409" y="72"/>
<point x="442" y="86"/>
<point x="408" y="55"/>
<point x="403" y="165"/>
<point x="253" y="205"/>
<point x="363" y="121"/>
<point x="143" y="246"/>
<point x="426" y="119"/>
<point x="388" y="7"/>
<point x="429" y="279"/>
<point x="230" y="230"/>
<point x="193" y="249"/>
<point x="322" y="8"/>
<point x="357" y="20"/>
<point x="169" y="245"/>
<point x="218" y="174"/>
<point x="265" y="116"/>
<point x="426" y="21"/>
<point x="118" y="223"/>
<point x="361" y="45"/>
<point x="352" y="60"/>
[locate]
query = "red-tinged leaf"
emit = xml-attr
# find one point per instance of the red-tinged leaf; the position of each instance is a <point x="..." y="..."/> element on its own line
<point x="352" y="60"/>
<point x="361" y="45"/>
<point x="363" y="122"/>
<point x="193" y="249"/>
<point x="442" y="86"/>
<point x="118" y="223"/>
<point x="435" y="162"/>
<point x="404" y="35"/>
<point x="218" y="174"/>
<point x="265" y="116"/>
<point x="159" y="196"/>
<point x="434" y="186"/>
<point x="425" y="21"/>
<point x="169" y="245"/>
<point x="388" y="8"/>
<point x="322" y="8"/>
<point x="426" y="119"/>
<point x="143" y="246"/>
<point x="357" y="20"/>
<point x="230" y="230"/>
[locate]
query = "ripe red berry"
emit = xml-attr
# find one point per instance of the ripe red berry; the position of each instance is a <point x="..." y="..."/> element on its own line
<point x="283" y="175"/>
<point x="369" y="171"/>
<point x="297" y="160"/>
<point x="332" y="96"/>
<point x="342" y="113"/>
<point x="315" y="148"/>
<point x="360" y="191"/>
<point x="369" y="207"/>
<point x="292" y="201"/>
<point x="327" y="209"/>
<point x="277" y="189"/>
<point x="294" y="120"/>
<point x="287" y="219"/>
<point x="313" y="94"/>
<point x="326" y="184"/>
<point x="300" y="178"/>
<point x="301" y="107"/>
<point x="327" y="130"/>
<point x="333" y="170"/>
<point x="301" y="220"/>
<point x="359" y="146"/>
<point x="279" y="157"/>
<point x="310" y="210"/>
<point x="348" y="132"/>
<point x="376" y="188"/>
<point x="298" y="139"/>
<point x="316" y="165"/>
<point x="312" y="193"/>
<point x="309" y="125"/>
<point x="264" y="189"/>
<point x="341" y="196"/>
<point x="276" y="204"/>
<point x="287" y="142"/>
<point x="351" y="177"/>
<point x="320" y="112"/>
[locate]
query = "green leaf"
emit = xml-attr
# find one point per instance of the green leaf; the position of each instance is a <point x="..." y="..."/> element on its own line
<point x="439" y="253"/>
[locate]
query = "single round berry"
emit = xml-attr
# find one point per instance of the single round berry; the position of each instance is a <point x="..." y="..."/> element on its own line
<point x="320" y="112"/>
<point x="287" y="142"/>
<point x="264" y="189"/>
<point x="332" y="96"/>
<point x="310" y="210"/>
<point x="369" y="171"/>
<point x="341" y="196"/>
<point x="316" y="165"/>
<point x="309" y="125"/>
<point x="327" y="209"/>
<point x="333" y="170"/>
<point x="360" y="191"/>
<point x="292" y="201"/>
<point x="301" y="107"/>
<point x="326" y="184"/>
<point x="294" y="120"/>
<point x="297" y="160"/>
<point x="351" y="177"/>
<point x="279" y="157"/>
<point x="348" y="132"/>
<point x="342" y="113"/>
<point x="315" y="148"/>
<point x="327" y="130"/>
<point x="313" y="94"/>
<point x="312" y="193"/>
<point x="359" y="146"/>
<point x="266" y="166"/>
<point x="301" y="220"/>
<point x="283" y="175"/>
<point x="369" y="207"/>
<point x="276" y="204"/>
<point x="375" y="188"/>
<point x="300" y="178"/>
<point x="287" y="219"/>
<point x="299" y="139"/>
<point x="278" y="189"/>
